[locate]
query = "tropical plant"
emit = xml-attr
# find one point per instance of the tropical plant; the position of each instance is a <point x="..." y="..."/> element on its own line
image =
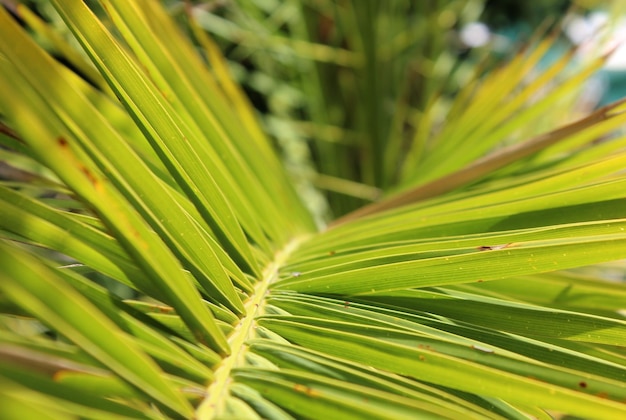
<point x="157" y="262"/>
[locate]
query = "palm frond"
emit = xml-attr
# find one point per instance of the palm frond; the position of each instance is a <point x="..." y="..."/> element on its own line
<point x="157" y="262"/>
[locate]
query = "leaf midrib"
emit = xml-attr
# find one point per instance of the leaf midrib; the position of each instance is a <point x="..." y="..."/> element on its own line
<point x="217" y="390"/>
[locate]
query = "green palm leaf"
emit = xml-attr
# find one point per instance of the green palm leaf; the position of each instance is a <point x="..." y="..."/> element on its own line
<point x="157" y="262"/>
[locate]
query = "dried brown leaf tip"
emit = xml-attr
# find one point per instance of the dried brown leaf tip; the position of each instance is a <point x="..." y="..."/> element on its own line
<point x="494" y="247"/>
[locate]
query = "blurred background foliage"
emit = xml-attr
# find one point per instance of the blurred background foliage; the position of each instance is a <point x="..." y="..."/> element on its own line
<point x="374" y="101"/>
<point x="341" y="84"/>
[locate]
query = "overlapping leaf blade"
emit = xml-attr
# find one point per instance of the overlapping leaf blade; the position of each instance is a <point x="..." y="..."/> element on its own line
<point x="365" y="331"/>
<point x="89" y="182"/>
<point x="31" y="285"/>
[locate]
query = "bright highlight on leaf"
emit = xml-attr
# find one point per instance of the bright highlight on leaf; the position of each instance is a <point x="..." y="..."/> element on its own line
<point x="284" y="210"/>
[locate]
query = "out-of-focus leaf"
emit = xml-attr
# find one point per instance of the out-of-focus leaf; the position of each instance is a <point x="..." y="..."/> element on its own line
<point x="30" y="284"/>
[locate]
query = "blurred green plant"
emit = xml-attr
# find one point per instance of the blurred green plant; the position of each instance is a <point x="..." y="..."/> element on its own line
<point x="157" y="262"/>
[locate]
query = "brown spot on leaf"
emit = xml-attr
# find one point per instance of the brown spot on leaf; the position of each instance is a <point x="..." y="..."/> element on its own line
<point x="59" y="375"/>
<point x="311" y="392"/>
<point x="494" y="247"/>
<point x="305" y="390"/>
<point x="164" y="309"/>
<point x="90" y="176"/>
